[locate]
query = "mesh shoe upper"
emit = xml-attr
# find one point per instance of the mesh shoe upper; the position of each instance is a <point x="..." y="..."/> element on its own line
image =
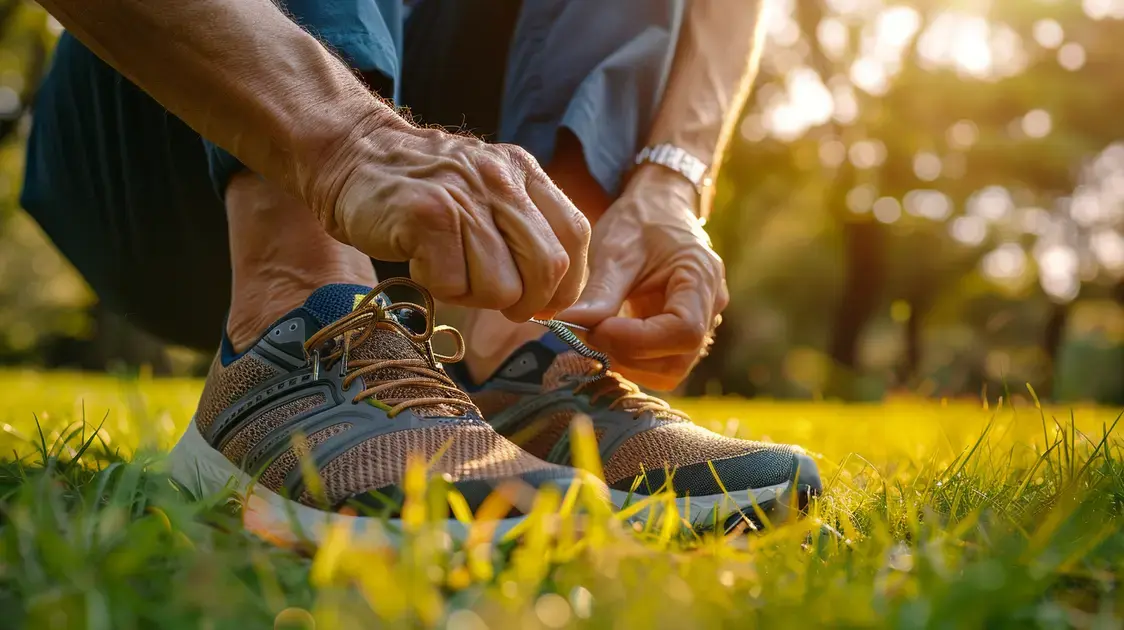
<point x="535" y="395"/>
<point x="364" y="402"/>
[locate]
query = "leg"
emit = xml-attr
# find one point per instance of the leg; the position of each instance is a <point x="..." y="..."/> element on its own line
<point x="275" y="270"/>
<point x="582" y="110"/>
<point x="125" y="193"/>
<point x="279" y="253"/>
<point x="122" y="189"/>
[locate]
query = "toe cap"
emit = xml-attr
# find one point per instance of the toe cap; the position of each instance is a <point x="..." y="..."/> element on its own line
<point x="754" y="470"/>
<point x="807" y="476"/>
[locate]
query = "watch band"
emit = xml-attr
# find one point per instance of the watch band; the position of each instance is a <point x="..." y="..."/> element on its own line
<point x="678" y="160"/>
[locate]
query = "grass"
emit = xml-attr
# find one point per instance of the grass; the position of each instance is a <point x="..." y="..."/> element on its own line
<point x="955" y="515"/>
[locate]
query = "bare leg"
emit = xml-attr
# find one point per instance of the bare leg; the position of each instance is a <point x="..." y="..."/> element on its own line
<point x="279" y="255"/>
<point x="492" y="336"/>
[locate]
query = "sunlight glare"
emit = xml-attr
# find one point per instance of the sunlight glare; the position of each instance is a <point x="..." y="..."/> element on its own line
<point x="993" y="203"/>
<point x="930" y="204"/>
<point x="810" y="97"/>
<point x="833" y="37"/>
<point x="968" y="230"/>
<point x="1057" y="271"/>
<point x="1006" y="262"/>
<point x="887" y="210"/>
<point x="1101" y="9"/>
<point x="895" y="28"/>
<point x="1072" y="56"/>
<point x="868" y="74"/>
<point x="970" y="49"/>
<point x="1048" y="33"/>
<point x="1037" y="123"/>
<point x="927" y="166"/>
<point x="861" y="198"/>
<point x="1108" y="247"/>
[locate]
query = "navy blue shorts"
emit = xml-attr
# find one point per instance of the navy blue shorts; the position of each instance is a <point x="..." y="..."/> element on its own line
<point x="134" y="198"/>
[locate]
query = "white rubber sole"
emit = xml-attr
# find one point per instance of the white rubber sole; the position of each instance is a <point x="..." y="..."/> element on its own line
<point x="700" y="510"/>
<point x="205" y="471"/>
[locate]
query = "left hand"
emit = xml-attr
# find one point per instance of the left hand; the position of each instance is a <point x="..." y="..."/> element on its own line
<point x="656" y="286"/>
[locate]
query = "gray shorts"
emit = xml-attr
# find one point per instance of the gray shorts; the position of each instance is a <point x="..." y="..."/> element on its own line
<point x="133" y="197"/>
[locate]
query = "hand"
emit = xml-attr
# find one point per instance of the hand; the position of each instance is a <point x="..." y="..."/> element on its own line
<point x="481" y="224"/>
<point x="650" y="255"/>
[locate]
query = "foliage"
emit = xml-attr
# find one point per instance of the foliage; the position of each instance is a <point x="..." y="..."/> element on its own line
<point x="950" y="515"/>
<point x="927" y="187"/>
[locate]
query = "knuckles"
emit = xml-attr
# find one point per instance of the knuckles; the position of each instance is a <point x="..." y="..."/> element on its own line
<point x="555" y="267"/>
<point x="501" y="296"/>
<point x="435" y="211"/>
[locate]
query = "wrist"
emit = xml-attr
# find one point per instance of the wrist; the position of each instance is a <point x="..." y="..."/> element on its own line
<point x="653" y="180"/>
<point x="326" y="154"/>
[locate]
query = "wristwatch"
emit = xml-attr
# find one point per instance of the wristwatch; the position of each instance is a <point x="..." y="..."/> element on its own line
<point x="678" y="160"/>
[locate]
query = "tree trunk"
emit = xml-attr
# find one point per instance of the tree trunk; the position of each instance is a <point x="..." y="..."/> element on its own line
<point x="864" y="257"/>
<point x="1052" y="338"/>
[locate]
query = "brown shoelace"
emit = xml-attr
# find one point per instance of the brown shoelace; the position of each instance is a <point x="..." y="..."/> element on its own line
<point x="355" y="328"/>
<point x="626" y="395"/>
<point x="601" y="382"/>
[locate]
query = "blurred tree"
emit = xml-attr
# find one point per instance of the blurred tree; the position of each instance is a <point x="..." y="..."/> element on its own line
<point x="952" y="141"/>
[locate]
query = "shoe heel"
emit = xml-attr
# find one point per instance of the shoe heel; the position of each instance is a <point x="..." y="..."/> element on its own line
<point x="201" y="468"/>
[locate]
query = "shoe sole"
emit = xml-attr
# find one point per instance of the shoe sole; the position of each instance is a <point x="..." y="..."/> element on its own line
<point x="700" y="510"/>
<point x="775" y="502"/>
<point x="205" y="471"/>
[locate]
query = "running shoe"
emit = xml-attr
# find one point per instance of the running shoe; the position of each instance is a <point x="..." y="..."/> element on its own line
<point x="645" y="445"/>
<point x="342" y="384"/>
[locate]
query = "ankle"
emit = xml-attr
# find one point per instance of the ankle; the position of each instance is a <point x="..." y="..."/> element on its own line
<point x="259" y="300"/>
<point x="279" y="256"/>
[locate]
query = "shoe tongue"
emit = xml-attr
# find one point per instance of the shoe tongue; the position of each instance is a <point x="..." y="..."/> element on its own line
<point x="332" y="301"/>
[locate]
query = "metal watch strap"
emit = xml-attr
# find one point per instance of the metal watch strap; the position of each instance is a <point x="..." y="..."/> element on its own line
<point x="678" y="160"/>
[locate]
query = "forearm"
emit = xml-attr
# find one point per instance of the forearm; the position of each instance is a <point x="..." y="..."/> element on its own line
<point x="237" y="71"/>
<point x="716" y="60"/>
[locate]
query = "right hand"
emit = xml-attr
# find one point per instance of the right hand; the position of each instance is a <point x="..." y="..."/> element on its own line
<point x="481" y="224"/>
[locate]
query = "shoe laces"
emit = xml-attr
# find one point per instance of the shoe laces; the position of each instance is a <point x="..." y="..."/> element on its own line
<point x="333" y="344"/>
<point x="601" y="382"/>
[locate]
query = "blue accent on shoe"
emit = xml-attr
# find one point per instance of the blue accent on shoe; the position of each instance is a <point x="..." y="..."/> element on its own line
<point x="554" y="344"/>
<point x="326" y="304"/>
<point x="227" y="355"/>
<point x="332" y="301"/>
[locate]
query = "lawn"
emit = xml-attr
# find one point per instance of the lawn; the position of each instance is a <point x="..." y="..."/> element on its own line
<point x="946" y="515"/>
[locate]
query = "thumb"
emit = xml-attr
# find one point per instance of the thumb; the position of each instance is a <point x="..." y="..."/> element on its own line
<point x="605" y="293"/>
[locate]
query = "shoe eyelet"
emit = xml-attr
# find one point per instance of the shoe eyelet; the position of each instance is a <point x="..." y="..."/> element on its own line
<point x="292" y="326"/>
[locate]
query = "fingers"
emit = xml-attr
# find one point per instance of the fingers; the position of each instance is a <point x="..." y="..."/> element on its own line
<point x="546" y="235"/>
<point x="461" y="257"/>
<point x="609" y="285"/>
<point x="681" y="329"/>
<point x="481" y="225"/>
<point x="443" y="272"/>
<point x="572" y="231"/>
<point x="660" y="350"/>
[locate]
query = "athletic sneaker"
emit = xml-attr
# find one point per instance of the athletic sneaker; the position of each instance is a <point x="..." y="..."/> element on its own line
<point x="645" y="445"/>
<point x="365" y="393"/>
